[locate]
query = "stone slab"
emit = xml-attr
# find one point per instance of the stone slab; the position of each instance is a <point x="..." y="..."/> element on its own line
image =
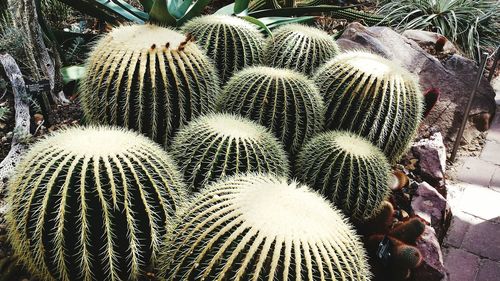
<point x="476" y="171"/>
<point x="481" y="202"/>
<point x="488" y="271"/>
<point x="461" y="265"/>
<point x="491" y="152"/>
<point x="494" y="131"/>
<point x="483" y="239"/>
<point x="460" y="224"/>
<point x="495" y="180"/>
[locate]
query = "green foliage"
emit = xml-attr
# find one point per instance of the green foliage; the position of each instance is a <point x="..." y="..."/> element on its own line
<point x="4" y="112"/>
<point x="260" y="227"/>
<point x="348" y="170"/>
<point x="148" y="78"/>
<point x="470" y="24"/>
<point x="230" y="42"/>
<point x="299" y="47"/>
<point x="92" y="204"/>
<point x="220" y="145"/>
<point x="55" y="12"/>
<point x="285" y="101"/>
<point x="373" y="97"/>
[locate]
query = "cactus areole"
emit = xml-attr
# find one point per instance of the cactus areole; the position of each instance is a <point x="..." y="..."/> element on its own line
<point x="148" y="78"/>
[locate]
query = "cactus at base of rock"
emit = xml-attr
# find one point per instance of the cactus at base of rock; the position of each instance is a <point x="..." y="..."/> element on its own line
<point x="284" y="101"/>
<point x="373" y="97"/>
<point x="92" y="204"/>
<point x="260" y="227"/>
<point x="348" y="170"/>
<point x="408" y="231"/>
<point x="148" y="78"/>
<point x="218" y="145"/>
<point x="231" y="42"/>
<point x="299" y="47"/>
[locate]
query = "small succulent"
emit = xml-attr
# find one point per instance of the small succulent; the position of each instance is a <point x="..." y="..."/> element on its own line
<point x="92" y="204"/>
<point x="261" y="227"/>
<point x="285" y="101"/>
<point x="218" y="145"/>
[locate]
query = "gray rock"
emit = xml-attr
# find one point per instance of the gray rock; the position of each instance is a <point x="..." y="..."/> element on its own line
<point x="431" y="153"/>
<point x="432" y="267"/>
<point x="423" y="37"/>
<point x="454" y="78"/>
<point x="431" y="206"/>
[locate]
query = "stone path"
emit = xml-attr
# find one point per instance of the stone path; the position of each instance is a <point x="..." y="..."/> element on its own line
<point x="472" y="247"/>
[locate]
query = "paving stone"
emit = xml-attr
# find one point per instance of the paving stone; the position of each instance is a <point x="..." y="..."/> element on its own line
<point x="476" y="171"/>
<point x="482" y="239"/>
<point x="460" y="224"/>
<point x="495" y="180"/>
<point x="488" y="271"/>
<point x="481" y="202"/>
<point x="494" y="131"/>
<point x="461" y="265"/>
<point x="454" y="195"/>
<point x="491" y="152"/>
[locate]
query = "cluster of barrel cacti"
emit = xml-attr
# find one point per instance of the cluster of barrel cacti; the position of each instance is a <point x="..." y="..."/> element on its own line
<point x="266" y="151"/>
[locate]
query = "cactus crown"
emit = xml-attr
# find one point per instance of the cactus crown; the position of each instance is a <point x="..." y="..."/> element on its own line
<point x="299" y="47"/>
<point x="92" y="204"/>
<point x="218" y="145"/>
<point x="285" y="101"/>
<point x="372" y="96"/>
<point x="148" y="78"/>
<point x="231" y="42"/>
<point x="348" y="170"/>
<point x="255" y="227"/>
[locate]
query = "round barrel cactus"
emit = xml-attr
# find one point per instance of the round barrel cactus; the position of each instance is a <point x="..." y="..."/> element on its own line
<point x="299" y="47"/>
<point x="231" y="42"/>
<point x="148" y="78"/>
<point x="348" y="170"/>
<point x="285" y="101"/>
<point x="218" y="145"/>
<point x="374" y="97"/>
<point x="92" y="204"/>
<point x="260" y="227"/>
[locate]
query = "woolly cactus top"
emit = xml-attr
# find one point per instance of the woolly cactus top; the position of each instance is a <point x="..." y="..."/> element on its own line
<point x="353" y="145"/>
<point x="304" y="30"/>
<point x="232" y="126"/>
<point x="134" y="37"/>
<point x="221" y="20"/>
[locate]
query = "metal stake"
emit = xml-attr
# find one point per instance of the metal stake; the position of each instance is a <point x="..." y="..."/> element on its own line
<point x="480" y="72"/>
<point x="495" y="63"/>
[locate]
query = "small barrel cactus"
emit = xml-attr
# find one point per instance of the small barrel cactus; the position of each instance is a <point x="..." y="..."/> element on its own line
<point x="260" y="227"/>
<point x="374" y="97"/>
<point x="299" y="47"/>
<point x="348" y="170"/>
<point x="148" y="78"/>
<point x="218" y="145"/>
<point x="92" y="204"/>
<point x="231" y="42"/>
<point x="285" y="101"/>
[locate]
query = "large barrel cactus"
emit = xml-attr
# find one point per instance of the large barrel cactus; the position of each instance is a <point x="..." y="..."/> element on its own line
<point x="148" y="78"/>
<point x="285" y="101"/>
<point x="231" y="42"/>
<point x="219" y="145"/>
<point x="259" y="227"/>
<point x="348" y="170"/>
<point x="92" y="204"/>
<point x="299" y="47"/>
<point x="374" y="97"/>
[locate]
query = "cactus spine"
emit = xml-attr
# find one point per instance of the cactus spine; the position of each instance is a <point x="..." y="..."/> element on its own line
<point x="348" y="170"/>
<point x="374" y="97"/>
<point x="299" y="47"/>
<point x="148" y="78"/>
<point x="285" y="101"/>
<point x="220" y="145"/>
<point x="231" y="42"/>
<point x="92" y="204"/>
<point x="260" y="227"/>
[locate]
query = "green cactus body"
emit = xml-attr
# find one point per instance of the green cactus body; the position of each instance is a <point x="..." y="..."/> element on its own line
<point x="231" y="42"/>
<point x="285" y="101"/>
<point x="220" y="145"/>
<point x="374" y="97"/>
<point x="299" y="47"/>
<point x="260" y="227"/>
<point x="407" y="256"/>
<point x="148" y="78"/>
<point x="348" y="170"/>
<point x="92" y="204"/>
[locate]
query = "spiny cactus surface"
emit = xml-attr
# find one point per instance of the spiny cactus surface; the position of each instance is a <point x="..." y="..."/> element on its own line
<point x="374" y="97"/>
<point x="231" y="42"/>
<point x="148" y="78"/>
<point x="348" y="170"/>
<point x="92" y="204"/>
<point x="299" y="47"/>
<point x="285" y="101"/>
<point x="220" y="145"/>
<point x="260" y="227"/>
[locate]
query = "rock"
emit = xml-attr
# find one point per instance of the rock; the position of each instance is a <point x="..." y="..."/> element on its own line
<point x="431" y="154"/>
<point x="431" y="206"/>
<point x="432" y="267"/>
<point x="429" y="38"/>
<point x="454" y="78"/>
